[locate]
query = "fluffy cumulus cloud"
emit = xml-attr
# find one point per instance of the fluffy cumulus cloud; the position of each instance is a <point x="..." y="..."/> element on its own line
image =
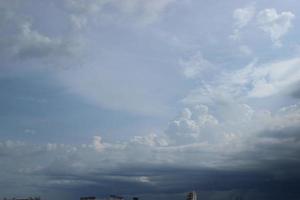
<point x="275" y="24"/>
<point x="228" y="115"/>
<point x="193" y="124"/>
<point x="236" y="125"/>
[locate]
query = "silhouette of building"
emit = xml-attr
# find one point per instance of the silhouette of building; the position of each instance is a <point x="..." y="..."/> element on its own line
<point x="191" y="196"/>
<point x="115" y="197"/>
<point x="88" y="198"/>
<point x="27" y="198"/>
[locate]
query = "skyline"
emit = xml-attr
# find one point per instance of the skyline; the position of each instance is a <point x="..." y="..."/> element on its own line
<point x="150" y="98"/>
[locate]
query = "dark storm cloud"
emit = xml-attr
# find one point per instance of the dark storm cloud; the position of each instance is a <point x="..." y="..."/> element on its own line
<point x="175" y="181"/>
<point x="251" y="167"/>
<point x="257" y="172"/>
<point x="261" y="173"/>
<point x="296" y="91"/>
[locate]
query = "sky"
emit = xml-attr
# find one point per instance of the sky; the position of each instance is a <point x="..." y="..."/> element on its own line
<point x="150" y="99"/>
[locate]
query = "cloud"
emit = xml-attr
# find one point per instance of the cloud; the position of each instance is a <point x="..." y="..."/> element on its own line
<point x="20" y="40"/>
<point x="236" y="142"/>
<point x="24" y="38"/>
<point x="253" y="81"/>
<point x="84" y="61"/>
<point x="271" y="78"/>
<point x="194" y="124"/>
<point x="30" y="43"/>
<point x="223" y="140"/>
<point x="225" y="115"/>
<point x="150" y="140"/>
<point x="196" y="66"/>
<point x="140" y="12"/>
<point x="97" y="142"/>
<point x="202" y="143"/>
<point x="242" y="16"/>
<point x="275" y="24"/>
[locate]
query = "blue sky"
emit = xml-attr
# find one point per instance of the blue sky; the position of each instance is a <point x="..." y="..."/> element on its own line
<point x="154" y="98"/>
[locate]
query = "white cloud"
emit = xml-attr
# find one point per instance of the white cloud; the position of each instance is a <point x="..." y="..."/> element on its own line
<point x="252" y="81"/>
<point x="243" y="16"/>
<point x="275" y="24"/>
<point x="144" y="179"/>
<point x="192" y="125"/>
<point x="196" y="66"/>
<point x="231" y="115"/>
<point x="98" y="145"/>
<point x="271" y="78"/>
<point x="150" y="140"/>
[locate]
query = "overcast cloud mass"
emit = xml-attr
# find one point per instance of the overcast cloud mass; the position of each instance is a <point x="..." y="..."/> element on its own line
<point x="150" y="99"/>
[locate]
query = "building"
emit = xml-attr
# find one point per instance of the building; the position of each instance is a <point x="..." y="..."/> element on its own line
<point x="191" y="196"/>
<point x="115" y="197"/>
<point x="26" y="198"/>
<point x="88" y="198"/>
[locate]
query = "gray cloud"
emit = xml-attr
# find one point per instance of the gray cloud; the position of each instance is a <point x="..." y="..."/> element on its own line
<point x="21" y="40"/>
<point x="253" y="163"/>
<point x="140" y="13"/>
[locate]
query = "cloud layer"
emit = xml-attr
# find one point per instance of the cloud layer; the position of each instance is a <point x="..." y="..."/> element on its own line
<point x="213" y="113"/>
